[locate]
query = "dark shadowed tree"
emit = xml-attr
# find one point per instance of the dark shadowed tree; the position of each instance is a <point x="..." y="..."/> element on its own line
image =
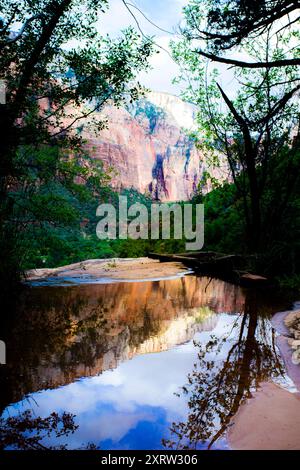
<point x="254" y="123"/>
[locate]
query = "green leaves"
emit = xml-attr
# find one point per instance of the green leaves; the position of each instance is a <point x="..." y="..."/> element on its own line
<point x="250" y="120"/>
<point x="59" y="73"/>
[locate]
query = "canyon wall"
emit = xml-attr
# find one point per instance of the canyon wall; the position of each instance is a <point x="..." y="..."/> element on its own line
<point x="147" y="147"/>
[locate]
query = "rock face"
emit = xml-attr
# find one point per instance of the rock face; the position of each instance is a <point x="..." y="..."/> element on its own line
<point x="148" y="148"/>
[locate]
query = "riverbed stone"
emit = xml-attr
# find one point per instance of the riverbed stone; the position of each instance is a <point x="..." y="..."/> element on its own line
<point x="292" y="322"/>
<point x="294" y="343"/>
<point x="296" y="357"/>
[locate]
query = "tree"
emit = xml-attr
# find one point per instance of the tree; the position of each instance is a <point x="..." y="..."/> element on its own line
<point x="253" y="127"/>
<point x="59" y="72"/>
<point x="224" y="26"/>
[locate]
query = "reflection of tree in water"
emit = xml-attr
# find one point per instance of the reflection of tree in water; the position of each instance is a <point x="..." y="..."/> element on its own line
<point x="28" y="432"/>
<point x="221" y="381"/>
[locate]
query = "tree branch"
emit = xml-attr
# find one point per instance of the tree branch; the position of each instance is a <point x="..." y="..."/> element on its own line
<point x="21" y="32"/>
<point x="251" y="65"/>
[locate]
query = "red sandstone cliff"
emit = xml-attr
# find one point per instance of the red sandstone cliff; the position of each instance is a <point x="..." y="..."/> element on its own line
<point x="148" y="148"/>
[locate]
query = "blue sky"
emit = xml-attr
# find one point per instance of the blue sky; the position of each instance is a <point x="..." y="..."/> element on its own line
<point x="167" y="14"/>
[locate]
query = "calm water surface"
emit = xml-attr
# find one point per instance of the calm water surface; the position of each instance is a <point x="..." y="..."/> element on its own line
<point x="139" y="365"/>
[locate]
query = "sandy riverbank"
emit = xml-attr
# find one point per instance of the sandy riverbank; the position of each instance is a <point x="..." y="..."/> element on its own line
<point x="271" y="418"/>
<point x="114" y="269"/>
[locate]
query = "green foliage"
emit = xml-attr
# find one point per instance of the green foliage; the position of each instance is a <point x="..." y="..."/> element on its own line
<point x="291" y="283"/>
<point x="50" y="245"/>
<point x="224" y="227"/>
<point x="221" y="27"/>
<point x="253" y="127"/>
<point x="59" y="72"/>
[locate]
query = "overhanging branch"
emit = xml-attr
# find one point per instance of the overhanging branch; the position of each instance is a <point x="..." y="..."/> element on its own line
<point x="251" y="65"/>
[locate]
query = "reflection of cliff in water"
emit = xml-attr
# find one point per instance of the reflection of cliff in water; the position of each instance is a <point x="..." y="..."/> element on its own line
<point x="63" y="333"/>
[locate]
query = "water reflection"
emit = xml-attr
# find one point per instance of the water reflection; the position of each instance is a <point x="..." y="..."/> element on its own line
<point x="28" y="432"/>
<point x="63" y="333"/>
<point x="228" y="368"/>
<point x="68" y="350"/>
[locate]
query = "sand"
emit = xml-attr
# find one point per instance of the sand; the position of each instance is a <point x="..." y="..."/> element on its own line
<point x="269" y="421"/>
<point x="114" y="269"/>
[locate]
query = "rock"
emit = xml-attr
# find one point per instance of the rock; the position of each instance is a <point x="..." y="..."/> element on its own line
<point x="294" y="343"/>
<point x="148" y="148"/>
<point x="293" y="370"/>
<point x="269" y="420"/>
<point x="253" y="277"/>
<point x="296" y="357"/>
<point x="297" y="334"/>
<point x="292" y="321"/>
<point x="292" y="318"/>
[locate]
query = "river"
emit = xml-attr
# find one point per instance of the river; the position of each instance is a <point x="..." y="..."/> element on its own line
<point x="135" y="365"/>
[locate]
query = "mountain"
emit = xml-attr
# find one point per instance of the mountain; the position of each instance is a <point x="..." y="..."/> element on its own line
<point x="148" y="147"/>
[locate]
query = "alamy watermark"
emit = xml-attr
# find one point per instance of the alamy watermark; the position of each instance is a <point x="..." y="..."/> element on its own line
<point x="2" y="92"/>
<point x="2" y="352"/>
<point x="135" y="222"/>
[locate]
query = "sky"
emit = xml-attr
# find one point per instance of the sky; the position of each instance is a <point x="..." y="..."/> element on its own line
<point x="167" y="14"/>
<point x="162" y="21"/>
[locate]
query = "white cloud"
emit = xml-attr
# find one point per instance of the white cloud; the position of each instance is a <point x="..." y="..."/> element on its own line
<point x="163" y="71"/>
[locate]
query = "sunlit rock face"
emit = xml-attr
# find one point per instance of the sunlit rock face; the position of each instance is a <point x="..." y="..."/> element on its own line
<point x="148" y="148"/>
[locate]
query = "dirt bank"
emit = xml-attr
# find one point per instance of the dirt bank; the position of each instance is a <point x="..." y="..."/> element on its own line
<point x="114" y="269"/>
